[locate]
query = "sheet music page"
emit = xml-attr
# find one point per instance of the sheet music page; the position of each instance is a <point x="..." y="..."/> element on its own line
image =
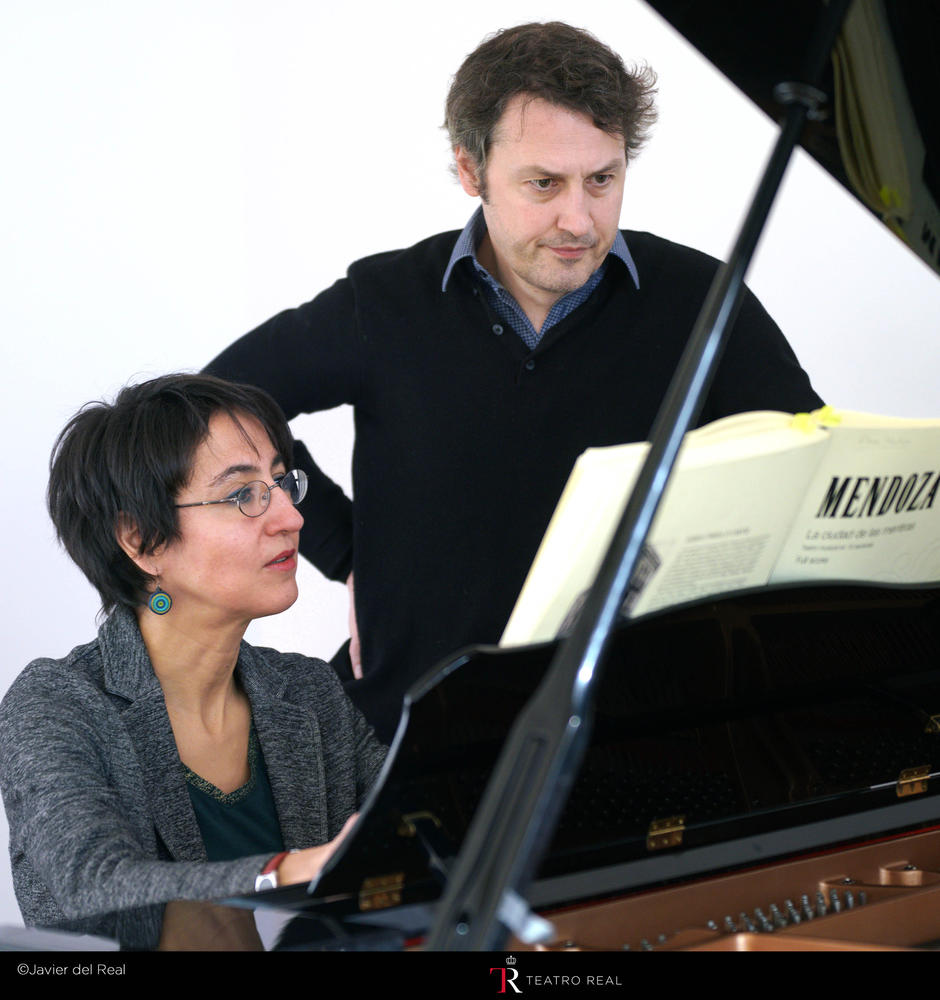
<point x="720" y="527"/>
<point x="872" y="510"/>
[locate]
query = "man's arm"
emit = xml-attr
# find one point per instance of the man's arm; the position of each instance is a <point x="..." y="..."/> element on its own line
<point x="308" y="359"/>
<point x="759" y="370"/>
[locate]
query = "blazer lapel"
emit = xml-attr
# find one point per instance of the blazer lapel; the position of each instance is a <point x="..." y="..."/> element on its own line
<point x="291" y="744"/>
<point x="149" y="728"/>
<point x="129" y="674"/>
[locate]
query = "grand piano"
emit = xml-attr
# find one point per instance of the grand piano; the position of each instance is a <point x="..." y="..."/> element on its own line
<point x="766" y="770"/>
<point x="763" y="768"/>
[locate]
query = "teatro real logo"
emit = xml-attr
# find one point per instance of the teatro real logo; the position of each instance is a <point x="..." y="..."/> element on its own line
<point x="507" y="976"/>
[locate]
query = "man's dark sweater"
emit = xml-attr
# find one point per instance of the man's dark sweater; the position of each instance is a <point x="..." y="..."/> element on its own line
<point x="465" y="437"/>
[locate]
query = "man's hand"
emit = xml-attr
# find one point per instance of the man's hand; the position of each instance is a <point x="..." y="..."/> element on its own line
<point x="355" y="654"/>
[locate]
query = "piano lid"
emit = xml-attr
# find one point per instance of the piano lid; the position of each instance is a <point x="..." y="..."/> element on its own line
<point x="881" y="137"/>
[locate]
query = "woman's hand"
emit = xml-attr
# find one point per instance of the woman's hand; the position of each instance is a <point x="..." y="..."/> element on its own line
<point x="305" y="865"/>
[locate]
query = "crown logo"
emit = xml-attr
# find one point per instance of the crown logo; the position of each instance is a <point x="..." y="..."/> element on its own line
<point x="510" y="960"/>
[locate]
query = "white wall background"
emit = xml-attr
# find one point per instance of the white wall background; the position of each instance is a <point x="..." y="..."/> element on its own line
<point x="174" y="172"/>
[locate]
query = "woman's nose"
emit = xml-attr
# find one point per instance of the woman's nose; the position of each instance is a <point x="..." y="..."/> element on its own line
<point x="281" y="514"/>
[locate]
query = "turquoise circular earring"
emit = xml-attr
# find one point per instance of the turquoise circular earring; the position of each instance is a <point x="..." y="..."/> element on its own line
<point x="160" y="602"/>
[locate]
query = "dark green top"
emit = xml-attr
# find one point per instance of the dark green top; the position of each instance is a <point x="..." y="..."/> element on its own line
<point x="240" y="823"/>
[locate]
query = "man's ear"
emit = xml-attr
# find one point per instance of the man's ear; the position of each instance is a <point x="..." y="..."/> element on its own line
<point x="127" y="535"/>
<point x="467" y="172"/>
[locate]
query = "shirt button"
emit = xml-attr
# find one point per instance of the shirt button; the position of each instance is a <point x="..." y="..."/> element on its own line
<point x="497" y="329"/>
<point x="530" y="364"/>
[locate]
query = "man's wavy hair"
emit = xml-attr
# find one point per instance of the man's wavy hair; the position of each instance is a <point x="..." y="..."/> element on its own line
<point x="563" y="65"/>
<point x="130" y="459"/>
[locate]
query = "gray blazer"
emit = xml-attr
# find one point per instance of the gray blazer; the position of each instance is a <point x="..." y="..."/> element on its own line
<point x="102" y="832"/>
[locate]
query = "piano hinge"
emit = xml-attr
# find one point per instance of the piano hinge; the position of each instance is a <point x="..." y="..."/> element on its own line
<point x="381" y="891"/>
<point x="913" y="781"/>
<point x="663" y="833"/>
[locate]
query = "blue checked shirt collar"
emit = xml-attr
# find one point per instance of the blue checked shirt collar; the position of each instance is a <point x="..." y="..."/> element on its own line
<point x="505" y="305"/>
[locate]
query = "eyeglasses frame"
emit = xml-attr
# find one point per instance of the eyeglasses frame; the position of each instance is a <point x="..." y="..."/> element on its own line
<point x="299" y="474"/>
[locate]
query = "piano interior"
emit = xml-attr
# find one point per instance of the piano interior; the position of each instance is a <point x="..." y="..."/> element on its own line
<point x="877" y="896"/>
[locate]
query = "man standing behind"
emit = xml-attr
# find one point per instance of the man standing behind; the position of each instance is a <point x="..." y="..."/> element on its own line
<point x="480" y="364"/>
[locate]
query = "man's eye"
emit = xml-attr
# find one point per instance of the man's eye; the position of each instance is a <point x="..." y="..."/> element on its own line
<point x="542" y="183"/>
<point x="601" y="180"/>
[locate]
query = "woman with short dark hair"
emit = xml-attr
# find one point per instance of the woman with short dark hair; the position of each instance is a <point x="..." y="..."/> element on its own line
<point x="168" y="759"/>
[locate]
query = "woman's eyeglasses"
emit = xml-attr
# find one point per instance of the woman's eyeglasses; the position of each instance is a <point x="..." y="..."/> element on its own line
<point x="253" y="499"/>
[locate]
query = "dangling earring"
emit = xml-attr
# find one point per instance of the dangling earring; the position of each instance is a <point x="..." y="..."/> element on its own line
<point x="160" y="602"/>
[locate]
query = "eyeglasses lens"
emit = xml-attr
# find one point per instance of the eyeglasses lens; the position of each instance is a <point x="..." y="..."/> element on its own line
<point x="253" y="500"/>
<point x="294" y="484"/>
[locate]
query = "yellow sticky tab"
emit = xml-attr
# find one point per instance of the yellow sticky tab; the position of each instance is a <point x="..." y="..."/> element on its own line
<point x="803" y="422"/>
<point x="828" y="416"/>
<point x="890" y="197"/>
